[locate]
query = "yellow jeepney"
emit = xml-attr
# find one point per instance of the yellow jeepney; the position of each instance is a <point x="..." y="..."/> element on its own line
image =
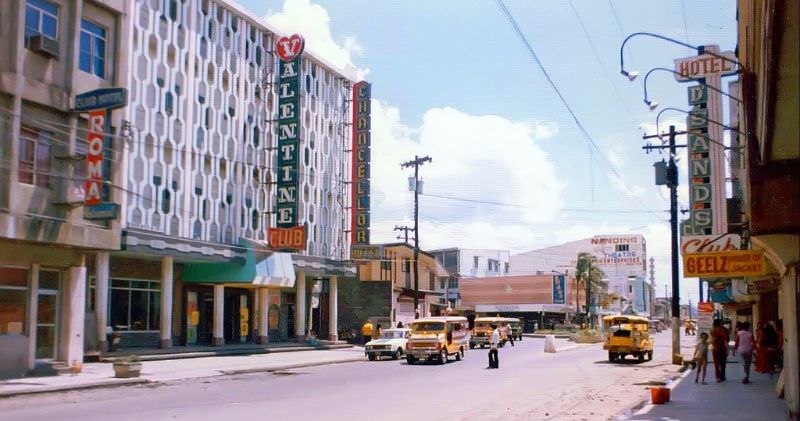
<point x="482" y="332"/>
<point x="437" y="338"/>
<point x="627" y="335"/>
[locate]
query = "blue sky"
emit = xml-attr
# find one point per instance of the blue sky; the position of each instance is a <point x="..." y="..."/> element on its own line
<point x="452" y="80"/>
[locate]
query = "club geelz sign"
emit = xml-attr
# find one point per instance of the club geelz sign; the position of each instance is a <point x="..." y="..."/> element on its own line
<point x="288" y="235"/>
<point x="361" y="163"/>
<point x="724" y="264"/>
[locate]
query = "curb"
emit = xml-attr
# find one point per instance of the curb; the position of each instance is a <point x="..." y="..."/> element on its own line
<point x="224" y="353"/>
<point x="541" y="336"/>
<point x="65" y="388"/>
<point x="287" y="367"/>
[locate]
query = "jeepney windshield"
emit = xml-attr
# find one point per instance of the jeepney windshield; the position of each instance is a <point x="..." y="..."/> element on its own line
<point x="427" y="327"/>
<point x="483" y="324"/>
<point x="392" y="334"/>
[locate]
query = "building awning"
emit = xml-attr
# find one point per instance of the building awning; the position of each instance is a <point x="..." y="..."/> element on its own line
<point x="270" y="269"/>
<point x="277" y="270"/>
<point x="420" y="294"/>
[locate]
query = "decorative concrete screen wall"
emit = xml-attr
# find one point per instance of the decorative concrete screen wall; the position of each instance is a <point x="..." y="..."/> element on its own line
<point x="201" y="158"/>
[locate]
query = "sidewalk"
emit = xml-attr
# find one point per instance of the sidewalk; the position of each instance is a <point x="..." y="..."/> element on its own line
<point x="102" y="374"/>
<point x="729" y="400"/>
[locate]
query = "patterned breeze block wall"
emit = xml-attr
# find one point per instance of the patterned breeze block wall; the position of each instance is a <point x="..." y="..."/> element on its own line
<point x="201" y="157"/>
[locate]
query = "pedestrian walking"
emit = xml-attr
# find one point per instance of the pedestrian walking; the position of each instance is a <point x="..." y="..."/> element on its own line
<point x="766" y="355"/>
<point x="377" y="334"/>
<point x="701" y="357"/>
<point x="744" y="346"/>
<point x="509" y="335"/>
<point x="494" y="362"/>
<point x="366" y="331"/>
<point x="719" y="342"/>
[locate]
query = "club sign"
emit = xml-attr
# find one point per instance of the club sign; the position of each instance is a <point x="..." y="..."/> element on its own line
<point x="288" y="235"/>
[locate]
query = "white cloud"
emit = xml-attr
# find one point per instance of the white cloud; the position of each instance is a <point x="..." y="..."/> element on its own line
<point x="312" y="21"/>
<point x="472" y="160"/>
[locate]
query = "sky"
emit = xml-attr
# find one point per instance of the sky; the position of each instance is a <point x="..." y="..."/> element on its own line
<point x="511" y="169"/>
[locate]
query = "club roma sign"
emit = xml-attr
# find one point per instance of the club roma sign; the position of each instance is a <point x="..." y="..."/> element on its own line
<point x="361" y="161"/>
<point x="288" y="235"/>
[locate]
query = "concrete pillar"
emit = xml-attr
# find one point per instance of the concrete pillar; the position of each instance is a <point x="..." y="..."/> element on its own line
<point x="101" y="274"/>
<point x="167" y="281"/>
<point x="791" y="356"/>
<point x="333" y="309"/>
<point x="300" y="306"/>
<point x="219" y="314"/>
<point x="263" y="316"/>
<point x="31" y="317"/>
<point x="74" y="300"/>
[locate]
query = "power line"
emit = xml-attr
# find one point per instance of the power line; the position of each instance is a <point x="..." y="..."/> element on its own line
<point x="489" y="202"/>
<point x="575" y="118"/>
<point x="685" y="26"/>
<point x="600" y="62"/>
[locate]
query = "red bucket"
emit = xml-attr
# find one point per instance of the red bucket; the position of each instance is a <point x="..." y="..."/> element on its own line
<point x="659" y="395"/>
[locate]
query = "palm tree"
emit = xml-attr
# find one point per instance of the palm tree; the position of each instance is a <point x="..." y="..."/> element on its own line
<point x="590" y="276"/>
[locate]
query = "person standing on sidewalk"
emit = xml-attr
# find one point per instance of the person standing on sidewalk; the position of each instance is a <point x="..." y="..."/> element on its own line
<point x="701" y="356"/>
<point x="744" y="345"/>
<point x="494" y="362"/>
<point x="366" y="332"/>
<point x="719" y="342"/>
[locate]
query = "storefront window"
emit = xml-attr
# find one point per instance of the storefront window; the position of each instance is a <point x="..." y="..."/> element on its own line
<point x="134" y="305"/>
<point x="13" y="299"/>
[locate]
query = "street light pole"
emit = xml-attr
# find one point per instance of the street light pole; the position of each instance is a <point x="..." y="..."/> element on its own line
<point x="416" y="163"/>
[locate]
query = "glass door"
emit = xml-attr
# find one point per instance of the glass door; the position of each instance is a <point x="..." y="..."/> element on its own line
<point x="47" y="310"/>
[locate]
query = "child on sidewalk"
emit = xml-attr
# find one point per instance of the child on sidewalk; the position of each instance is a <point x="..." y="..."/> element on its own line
<point x="701" y="356"/>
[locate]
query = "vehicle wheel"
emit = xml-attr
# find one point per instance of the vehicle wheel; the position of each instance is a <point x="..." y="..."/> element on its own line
<point x="371" y="357"/>
<point x="482" y="346"/>
<point x="611" y="357"/>
<point x="462" y="353"/>
<point x="650" y="356"/>
<point x="519" y="338"/>
<point x="641" y="357"/>
<point x="471" y="345"/>
<point x="410" y="360"/>
<point x="397" y="354"/>
<point x="443" y="357"/>
<point x="459" y="354"/>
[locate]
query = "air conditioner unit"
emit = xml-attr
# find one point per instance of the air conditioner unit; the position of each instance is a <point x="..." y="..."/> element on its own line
<point x="43" y="45"/>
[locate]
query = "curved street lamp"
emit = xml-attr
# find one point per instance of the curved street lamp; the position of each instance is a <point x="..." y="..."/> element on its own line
<point x="653" y="104"/>
<point x="631" y="75"/>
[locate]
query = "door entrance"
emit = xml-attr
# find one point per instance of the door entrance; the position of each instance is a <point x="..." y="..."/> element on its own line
<point x="238" y="306"/>
<point x="47" y="309"/>
<point x="198" y="316"/>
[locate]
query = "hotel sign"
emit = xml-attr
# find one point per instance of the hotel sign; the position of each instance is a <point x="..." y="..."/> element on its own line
<point x="724" y="264"/>
<point x="698" y="67"/>
<point x="288" y="235"/>
<point x="362" y="93"/>
<point x="99" y="103"/>
<point x="700" y="164"/>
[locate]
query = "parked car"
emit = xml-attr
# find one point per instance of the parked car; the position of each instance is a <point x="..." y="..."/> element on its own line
<point x="392" y="343"/>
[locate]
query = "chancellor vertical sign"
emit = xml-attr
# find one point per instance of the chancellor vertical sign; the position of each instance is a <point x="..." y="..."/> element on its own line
<point x="361" y="161"/>
<point x="288" y="235"/>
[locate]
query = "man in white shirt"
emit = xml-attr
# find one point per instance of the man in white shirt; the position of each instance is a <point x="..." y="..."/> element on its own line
<point x="493" y="360"/>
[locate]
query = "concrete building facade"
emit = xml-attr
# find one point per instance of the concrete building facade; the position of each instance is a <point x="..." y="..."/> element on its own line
<point x="468" y="263"/>
<point x="53" y="51"/>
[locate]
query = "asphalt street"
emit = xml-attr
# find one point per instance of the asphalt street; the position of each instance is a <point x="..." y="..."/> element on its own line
<point x="576" y="383"/>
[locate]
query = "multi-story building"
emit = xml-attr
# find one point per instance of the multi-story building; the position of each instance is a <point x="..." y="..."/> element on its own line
<point x="770" y="89"/>
<point x="191" y="161"/>
<point x="468" y="263"/>
<point x="622" y="258"/>
<point x="387" y="290"/>
<point x="201" y="170"/>
<point x="52" y="51"/>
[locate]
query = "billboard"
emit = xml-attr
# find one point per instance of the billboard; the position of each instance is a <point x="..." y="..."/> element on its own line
<point x="559" y="289"/>
<point x="724" y="264"/>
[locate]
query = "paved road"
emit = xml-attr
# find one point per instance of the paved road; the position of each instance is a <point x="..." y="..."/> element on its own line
<point x="578" y="383"/>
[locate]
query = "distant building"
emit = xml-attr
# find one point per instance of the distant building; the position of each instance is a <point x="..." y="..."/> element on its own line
<point x="468" y="263"/>
<point x="541" y="299"/>
<point x="622" y="257"/>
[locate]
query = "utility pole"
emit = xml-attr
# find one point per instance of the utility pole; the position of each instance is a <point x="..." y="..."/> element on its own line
<point x="416" y="164"/>
<point x="405" y="231"/>
<point x="672" y="183"/>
